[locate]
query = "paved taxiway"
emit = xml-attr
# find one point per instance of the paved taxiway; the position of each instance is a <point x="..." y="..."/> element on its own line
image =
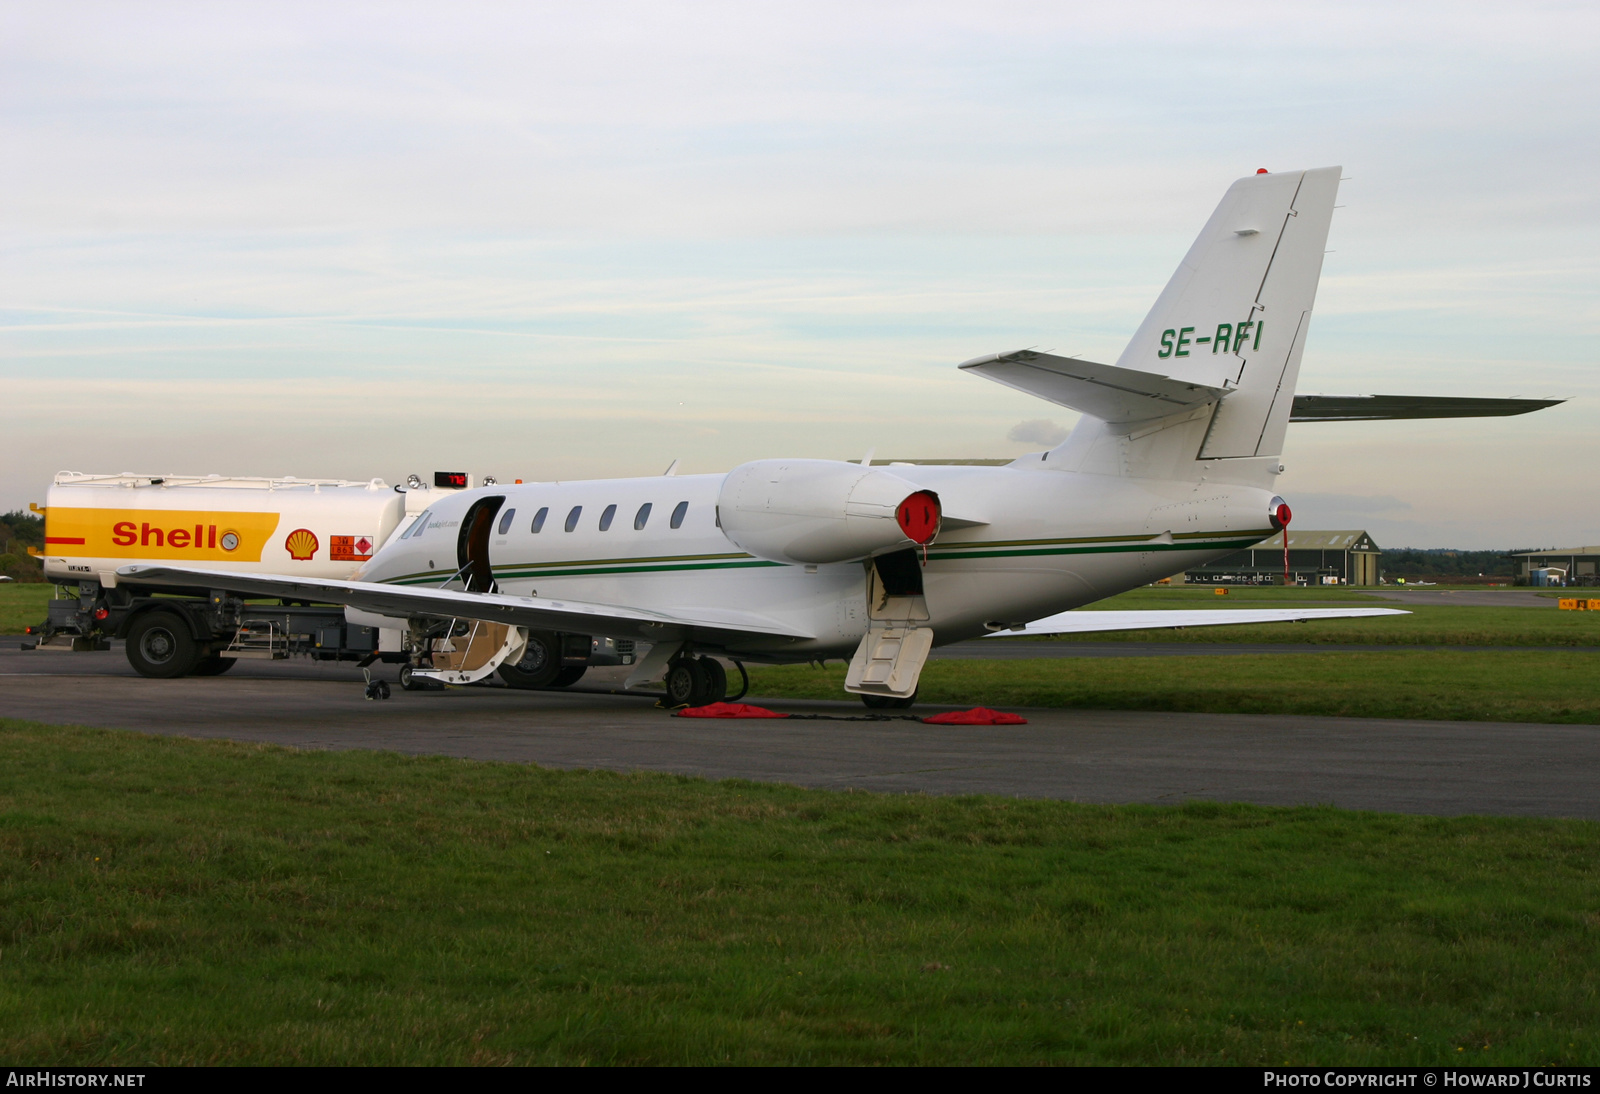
<point x="1464" y="597"/>
<point x="1440" y="768"/>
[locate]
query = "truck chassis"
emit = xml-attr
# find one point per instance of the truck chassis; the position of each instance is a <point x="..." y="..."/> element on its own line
<point x="188" y="632"/>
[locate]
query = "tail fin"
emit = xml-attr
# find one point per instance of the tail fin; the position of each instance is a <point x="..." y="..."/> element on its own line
<point x="1235" y="314"/>
<point x="1232" y="320"/>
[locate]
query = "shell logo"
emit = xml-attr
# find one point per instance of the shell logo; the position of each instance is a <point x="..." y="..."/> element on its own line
<point x="301" y="544"/>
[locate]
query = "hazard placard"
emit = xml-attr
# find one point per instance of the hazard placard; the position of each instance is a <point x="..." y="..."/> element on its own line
<point x="350" y="548"/>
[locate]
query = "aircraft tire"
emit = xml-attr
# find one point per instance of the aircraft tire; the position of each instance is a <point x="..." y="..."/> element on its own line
<point x="540" y="664"/>
<point x="214" y="665"/>
<point x="686" y="683"/>
<point x="161" y="647"/>
<point x="716" y="689"/>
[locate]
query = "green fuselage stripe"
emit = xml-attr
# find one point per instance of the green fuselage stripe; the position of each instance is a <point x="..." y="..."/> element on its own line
<point x="952" y="552"/>
<point x="512" y="571"/>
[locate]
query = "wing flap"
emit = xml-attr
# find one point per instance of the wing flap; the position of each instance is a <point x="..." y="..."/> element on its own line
<point x="1113" y="394"/>
<point x="1081" y="622"/>
<point x="543" y="613"/>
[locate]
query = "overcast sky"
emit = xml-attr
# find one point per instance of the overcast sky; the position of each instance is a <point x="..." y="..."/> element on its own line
<point x="547" y="241"/>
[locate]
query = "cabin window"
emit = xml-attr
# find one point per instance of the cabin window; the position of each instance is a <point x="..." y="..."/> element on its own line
<point x="417" y="526"/>
<point x="678" y="514"/>
<point x="538" y="518"/>
<point x="505" y="521"/>
<point x="572" y="517"/>
<point x="641" y="517"/>
<point x="606" y="518"/>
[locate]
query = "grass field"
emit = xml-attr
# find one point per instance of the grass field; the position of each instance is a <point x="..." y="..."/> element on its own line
<point x="170" y="901"/>
<point x="1505" y="685"/>
<point x="23" y="605"/>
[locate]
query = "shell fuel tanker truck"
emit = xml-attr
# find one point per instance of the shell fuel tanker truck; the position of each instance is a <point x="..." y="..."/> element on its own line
<point x="321" y="528"/>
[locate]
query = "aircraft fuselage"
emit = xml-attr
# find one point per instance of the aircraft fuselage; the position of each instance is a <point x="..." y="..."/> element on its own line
<point x="1018" y="543"/>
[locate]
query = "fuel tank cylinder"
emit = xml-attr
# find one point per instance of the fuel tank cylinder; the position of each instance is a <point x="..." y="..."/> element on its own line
<point x="322" y="528"/>
<point x="821" y="511"/>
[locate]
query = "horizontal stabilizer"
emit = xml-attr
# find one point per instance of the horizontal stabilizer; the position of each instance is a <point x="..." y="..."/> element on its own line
<point x="1379" y="408"/>
<point x="1107" y="392"/>
<point x="1080" y="622"/>
<point x="540" y="613"/>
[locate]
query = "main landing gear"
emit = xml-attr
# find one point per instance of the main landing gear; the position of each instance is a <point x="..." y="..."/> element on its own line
<point x="696" y="682"/>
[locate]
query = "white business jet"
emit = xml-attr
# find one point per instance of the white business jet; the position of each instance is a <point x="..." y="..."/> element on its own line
<point x="790" y="560"/>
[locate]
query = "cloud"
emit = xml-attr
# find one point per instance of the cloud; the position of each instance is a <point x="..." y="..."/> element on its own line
<point x="1037" y="431"/>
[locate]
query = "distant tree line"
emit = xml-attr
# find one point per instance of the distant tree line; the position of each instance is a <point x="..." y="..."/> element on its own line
<point x="18" y="532"/>
<point x="1411" y="562"/>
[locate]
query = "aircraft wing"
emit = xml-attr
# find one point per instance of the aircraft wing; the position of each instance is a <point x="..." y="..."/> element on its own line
<point x="541" y="613"/>
<point x="1080" y="622"/>
<point x="1110" y="393"/>
<point x="1384" y="408"/>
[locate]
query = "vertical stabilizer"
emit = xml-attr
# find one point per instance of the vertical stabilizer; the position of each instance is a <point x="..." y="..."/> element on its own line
<point x="1236" y="312"/>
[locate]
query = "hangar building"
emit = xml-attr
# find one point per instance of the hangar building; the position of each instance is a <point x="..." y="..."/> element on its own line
<point x="1572" y="566"/>
<point x="1315" y="558"/>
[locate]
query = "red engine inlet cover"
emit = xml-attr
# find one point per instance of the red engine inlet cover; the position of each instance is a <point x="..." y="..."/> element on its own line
<point x="919" y="516"/>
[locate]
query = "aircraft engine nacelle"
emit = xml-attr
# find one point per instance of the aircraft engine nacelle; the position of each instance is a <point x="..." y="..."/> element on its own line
<point x="819" y="511"/>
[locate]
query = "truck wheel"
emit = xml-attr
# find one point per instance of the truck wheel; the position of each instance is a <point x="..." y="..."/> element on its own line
<point x="160" y="646"/>
<point x="540" y="664"/>
<point x="569" y="676"/>
<point x="214" y="665"/>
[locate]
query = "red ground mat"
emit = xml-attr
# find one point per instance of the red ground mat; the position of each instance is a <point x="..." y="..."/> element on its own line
<point x="728" y="710"/>
<point x="977" y="716"/>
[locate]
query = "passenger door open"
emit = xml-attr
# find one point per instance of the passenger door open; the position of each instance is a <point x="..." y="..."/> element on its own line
<point x="472" y="545"/>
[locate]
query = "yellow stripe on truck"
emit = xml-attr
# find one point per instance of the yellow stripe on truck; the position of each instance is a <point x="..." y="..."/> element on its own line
<point x="173" y="534"/>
